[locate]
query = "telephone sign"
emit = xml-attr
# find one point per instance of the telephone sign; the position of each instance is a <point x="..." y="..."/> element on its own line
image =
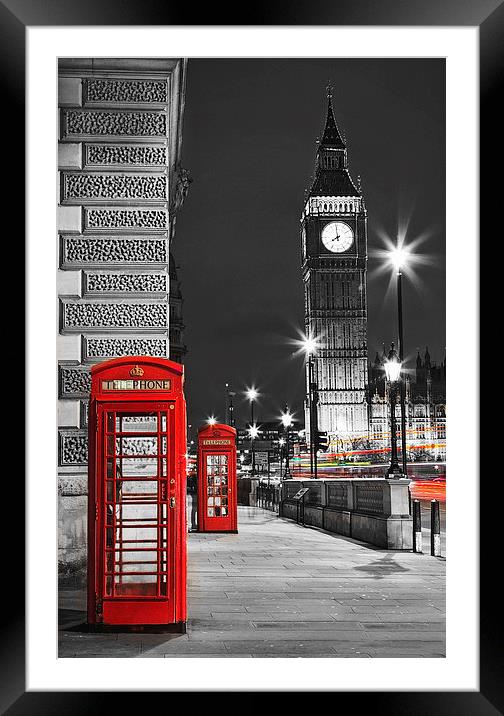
<point x="136" y="516"/>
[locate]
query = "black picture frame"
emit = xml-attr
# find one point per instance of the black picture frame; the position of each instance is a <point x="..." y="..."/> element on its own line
<point x="488" y="15"/>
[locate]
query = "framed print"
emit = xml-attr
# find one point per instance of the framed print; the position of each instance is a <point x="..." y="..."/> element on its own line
<point x="123" y="197"/>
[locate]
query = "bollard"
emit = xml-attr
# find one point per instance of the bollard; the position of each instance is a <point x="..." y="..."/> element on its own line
<point x="435" y="539"/>
<point x="417" y="527"/>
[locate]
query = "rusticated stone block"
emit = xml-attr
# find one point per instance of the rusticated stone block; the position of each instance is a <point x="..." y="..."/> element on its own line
<point x="80" y="251"/>
<point x="127" y="91"/>
<point x="82" y="315"/>
<point x="75" y="382"/>
<point x="103" y="348"/>
<point x="109" y="187"/>
<point x="125" y="154"/>
<point x="100" y="123"/>
<point x="130" y="219"/>
<point x="100" y="283"/>
<point x="73" y="447"/>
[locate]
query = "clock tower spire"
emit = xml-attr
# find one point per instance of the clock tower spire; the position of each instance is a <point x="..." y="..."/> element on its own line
<point x="334" y="260"/>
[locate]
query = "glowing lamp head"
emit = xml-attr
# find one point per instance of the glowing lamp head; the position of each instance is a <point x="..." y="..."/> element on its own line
<point x="251" y="394"/>
<point x="211" y="420"/>
<point x="286" y="419"/>
<point x="253" y="431"/>
<point x="398" y="257"/>
<point x="393" y="366"/>
<point x="310" y="345"/>
<point x="281" y="441"/>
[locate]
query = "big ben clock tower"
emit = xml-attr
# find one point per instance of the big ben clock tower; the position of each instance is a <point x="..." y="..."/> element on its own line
<point x="334" y="257"/>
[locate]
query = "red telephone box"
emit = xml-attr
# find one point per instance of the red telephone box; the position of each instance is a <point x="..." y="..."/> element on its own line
<point x="136" y="515"/>
<point x="217" y="487"/>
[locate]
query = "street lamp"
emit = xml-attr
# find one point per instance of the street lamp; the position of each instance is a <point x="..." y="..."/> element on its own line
<point x="252" y="394"/>
<point x="393" y="373"/>
<point x="253" y="432"/>
<point x="211" y="420"/>
<point x="398" y="257"/>
<point x="281" y="442"/>
<point x="286" y="422"/>
<point x="309" y="345"/>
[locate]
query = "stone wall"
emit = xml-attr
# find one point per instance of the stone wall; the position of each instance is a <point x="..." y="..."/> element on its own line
<point x="120" y="123"/>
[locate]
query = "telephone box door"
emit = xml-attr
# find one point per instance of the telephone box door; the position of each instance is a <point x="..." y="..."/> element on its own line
<point x="138" y="557"/>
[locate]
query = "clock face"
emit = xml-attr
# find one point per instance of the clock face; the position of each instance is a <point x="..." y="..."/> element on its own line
<point x="337" y="237"/>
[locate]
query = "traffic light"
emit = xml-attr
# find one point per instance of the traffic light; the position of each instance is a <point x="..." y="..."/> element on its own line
<point x="321" y="440"/>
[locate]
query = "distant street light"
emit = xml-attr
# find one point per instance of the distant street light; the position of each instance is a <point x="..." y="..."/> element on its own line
<point x="286" y="422"/>
<point x="252" y="394"/>
<point x="393" y="373"/>
<point x="211" y="420"/>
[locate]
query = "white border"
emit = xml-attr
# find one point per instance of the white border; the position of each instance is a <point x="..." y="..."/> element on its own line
<point x="459" y="670"/>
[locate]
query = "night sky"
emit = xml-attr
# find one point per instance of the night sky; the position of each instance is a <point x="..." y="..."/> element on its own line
<point x="249" y="142"/>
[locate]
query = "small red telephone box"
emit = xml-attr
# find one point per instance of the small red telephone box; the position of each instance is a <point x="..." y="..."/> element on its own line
<point x="217" y="489"/>
<point x="136" y="515"/>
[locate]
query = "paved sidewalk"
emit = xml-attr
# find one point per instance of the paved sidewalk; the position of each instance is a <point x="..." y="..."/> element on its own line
<point x="278" y="589"/>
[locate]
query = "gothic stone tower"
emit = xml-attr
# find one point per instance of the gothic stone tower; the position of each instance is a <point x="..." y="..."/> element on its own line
<point x="334" y="256"/>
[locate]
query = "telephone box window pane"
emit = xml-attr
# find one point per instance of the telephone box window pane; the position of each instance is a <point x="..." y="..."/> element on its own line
<point x="210" y="512"/>
<point x="110" y="445"/>
<point x="136" y="446"/>
<point x="139" y="467"/>
<point x="110" y="422"/>
<point x="137" y="423"/>
<point x="217" y="511"/>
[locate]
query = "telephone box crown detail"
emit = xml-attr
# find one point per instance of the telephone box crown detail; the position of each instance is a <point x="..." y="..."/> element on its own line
<point x="137" y="372"/>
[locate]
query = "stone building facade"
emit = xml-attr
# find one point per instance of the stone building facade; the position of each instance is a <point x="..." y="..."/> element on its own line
<point x="120" y="187"/>
<point x="425" y="404"/>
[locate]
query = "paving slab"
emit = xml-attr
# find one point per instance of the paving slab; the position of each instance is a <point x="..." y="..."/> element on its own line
<point x="277" y="590"/>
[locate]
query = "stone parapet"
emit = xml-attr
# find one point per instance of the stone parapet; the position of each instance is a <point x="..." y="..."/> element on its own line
<point x="370" y="510"/>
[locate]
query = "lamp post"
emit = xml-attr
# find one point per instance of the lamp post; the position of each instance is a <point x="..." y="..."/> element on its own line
<point x="281" y="442"/>
<point x="398" y="258"/>
<point x="393" y="373"/>
<point x="309" y="346"/>
<point x="253" y="433"/>
<point x="286" y="422"/>
<point x="252" y="394"/>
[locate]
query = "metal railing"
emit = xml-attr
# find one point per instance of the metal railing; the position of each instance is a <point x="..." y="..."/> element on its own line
<point x="268" y="496"/>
